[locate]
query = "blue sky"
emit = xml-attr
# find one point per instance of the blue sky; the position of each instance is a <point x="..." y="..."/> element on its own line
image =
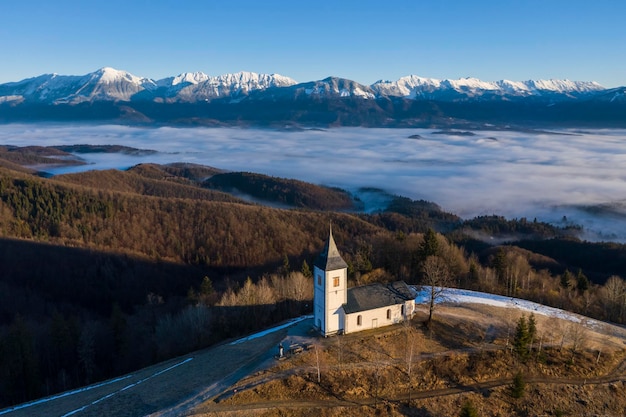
<point x="308" y="40"/>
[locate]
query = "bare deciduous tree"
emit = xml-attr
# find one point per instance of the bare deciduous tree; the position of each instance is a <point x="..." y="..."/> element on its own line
<point x="410" y="353"/>
<point x="437" y="277"/>
<point x="317" y="363"/>
<point x="577" y="334"/>
<point x="614" y="298"/>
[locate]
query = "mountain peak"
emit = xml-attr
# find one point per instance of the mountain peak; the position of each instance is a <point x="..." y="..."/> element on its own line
<point x="413" y="86"/>
<point x="189" y="78"/>
<point x="111" y="75"/>
<point x="110" y="84"/>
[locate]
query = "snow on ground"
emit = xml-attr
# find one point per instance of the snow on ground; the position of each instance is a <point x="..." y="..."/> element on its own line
<point x="459" y="296"/>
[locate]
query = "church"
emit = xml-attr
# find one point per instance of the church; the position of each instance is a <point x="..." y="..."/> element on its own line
<point x="338" y="309"/>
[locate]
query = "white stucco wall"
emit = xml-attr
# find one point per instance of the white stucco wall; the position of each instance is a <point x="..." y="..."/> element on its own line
<point x="380" y="314"/>
<point x="368" y="317"/>
<point x="328" y="314"/>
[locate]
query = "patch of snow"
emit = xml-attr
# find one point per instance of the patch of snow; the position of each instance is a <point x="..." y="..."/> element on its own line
<point x="190" y="78"/>
<point x="364" y="94"/>
<point x="6" y="99"/>
<point x="460" y="296"/>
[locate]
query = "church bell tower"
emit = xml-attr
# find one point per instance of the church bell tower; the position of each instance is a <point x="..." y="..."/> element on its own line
<point x="330" y="274"/>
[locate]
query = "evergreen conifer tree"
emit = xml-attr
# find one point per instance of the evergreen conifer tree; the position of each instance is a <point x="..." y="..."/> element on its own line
<point x="468" y="410"/>
<point x="532" y="329"/>
<point x="306" y="270"/>
<point x="519" y="385"/>
<point x="430" y="245"/>
<point x="521" y="340"/>
<point x="582" y="282"/>
<point x="565" y="279"/>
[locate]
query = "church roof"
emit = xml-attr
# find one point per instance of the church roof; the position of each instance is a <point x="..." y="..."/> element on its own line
<point x="369" y="297"/>
<point x="330" y="259"/>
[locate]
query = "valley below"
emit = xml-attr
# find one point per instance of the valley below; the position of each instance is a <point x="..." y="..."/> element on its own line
<point x="155" y="246"/>
<point x="564" y="177"/>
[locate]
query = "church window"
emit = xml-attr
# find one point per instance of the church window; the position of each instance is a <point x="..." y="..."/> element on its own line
<point x="335" y="281"/>
<point x="359" y="320"/>
<point x="388" y="314"/>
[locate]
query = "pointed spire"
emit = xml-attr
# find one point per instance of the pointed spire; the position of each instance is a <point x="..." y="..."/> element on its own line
<point x="330" y="259"/>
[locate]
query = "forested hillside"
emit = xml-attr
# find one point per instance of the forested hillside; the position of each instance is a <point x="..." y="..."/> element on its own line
<point x="105" y="272"/>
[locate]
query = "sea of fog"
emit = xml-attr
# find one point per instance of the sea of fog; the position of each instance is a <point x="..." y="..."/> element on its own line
<point x="543" y="175"/>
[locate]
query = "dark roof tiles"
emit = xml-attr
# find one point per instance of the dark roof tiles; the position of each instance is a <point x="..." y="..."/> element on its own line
<point x="369" y="297"/>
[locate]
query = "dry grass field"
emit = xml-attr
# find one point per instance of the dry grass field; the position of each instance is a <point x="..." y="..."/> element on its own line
<point x="574" y="370"/>
<point x="399" y="370"/>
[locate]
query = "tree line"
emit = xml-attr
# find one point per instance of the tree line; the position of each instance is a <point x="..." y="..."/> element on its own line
<point x="127" y="273"/>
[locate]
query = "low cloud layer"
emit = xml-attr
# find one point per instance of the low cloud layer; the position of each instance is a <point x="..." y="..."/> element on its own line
<point x="515" y="174"/>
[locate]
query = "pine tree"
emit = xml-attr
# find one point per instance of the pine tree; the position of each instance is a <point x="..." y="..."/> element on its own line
<point x="582" y="282"/>
<point x="468" y="410"/>
<point x="207" y="294"/>
<point x="521" y="340"/>
<point x="206" y="288"/>
<point x="306" y="270"/>
<point x="565" y="279"/>
<point x="286" y="268"/>
<point x="519" y="385"/>
<point x="499" y="263"/>
<point x="532" y="328"/>
<point x="429" y="246"/>
<point x="473" y="273"/>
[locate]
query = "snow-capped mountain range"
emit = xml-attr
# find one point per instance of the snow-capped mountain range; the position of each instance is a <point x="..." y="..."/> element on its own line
<point x="431" y="88"/>
<point x="108" y="84"/>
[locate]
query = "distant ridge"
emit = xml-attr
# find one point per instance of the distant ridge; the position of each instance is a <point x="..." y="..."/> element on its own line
<point x="115" y="85"/>
<point x="248" y="98"/>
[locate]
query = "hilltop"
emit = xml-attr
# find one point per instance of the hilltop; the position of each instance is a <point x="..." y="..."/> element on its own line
<point x="134" y="267"/>
<point x="573" y="369"/>
<point x="411" y="370"/>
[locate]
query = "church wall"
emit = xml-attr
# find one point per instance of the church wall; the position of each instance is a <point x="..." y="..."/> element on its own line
<point x="409" y="308"/>
<point x="368" y="317"/>
<point x="319" y="307"/>
<point x="328" y="314"/>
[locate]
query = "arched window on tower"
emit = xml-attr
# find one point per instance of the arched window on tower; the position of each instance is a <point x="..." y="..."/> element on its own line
<point x="388" y="314"/>
<point x="359" y="320"/>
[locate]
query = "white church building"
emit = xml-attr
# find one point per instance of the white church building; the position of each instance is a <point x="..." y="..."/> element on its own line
<point x="338" y="309"/>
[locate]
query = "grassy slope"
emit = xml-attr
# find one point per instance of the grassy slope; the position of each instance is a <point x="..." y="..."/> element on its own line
<point x="366" y="373"/>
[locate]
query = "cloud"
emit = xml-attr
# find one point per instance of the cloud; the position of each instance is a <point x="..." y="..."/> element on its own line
<point x="515" y="174"/>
